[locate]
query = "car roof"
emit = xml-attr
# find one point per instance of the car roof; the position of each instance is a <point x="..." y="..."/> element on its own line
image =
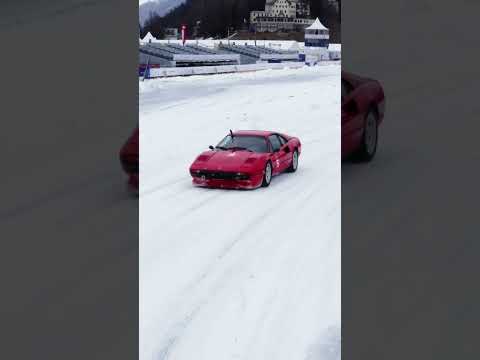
<point x="263" y="133"/>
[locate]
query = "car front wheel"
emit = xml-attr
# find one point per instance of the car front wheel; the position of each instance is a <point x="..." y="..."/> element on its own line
<point x="267" y="174"/>
<point x="294" y="165"/>
<point x="368" y="146"/>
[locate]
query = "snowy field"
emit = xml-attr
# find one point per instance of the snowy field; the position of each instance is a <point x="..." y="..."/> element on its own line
<point x="248" y="275"/>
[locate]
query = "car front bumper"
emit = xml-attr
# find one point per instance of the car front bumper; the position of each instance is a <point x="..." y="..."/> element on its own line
<point x="253" y="182"/>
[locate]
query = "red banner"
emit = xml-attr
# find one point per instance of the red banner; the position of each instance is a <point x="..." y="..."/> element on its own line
<point x="184" y="34"/>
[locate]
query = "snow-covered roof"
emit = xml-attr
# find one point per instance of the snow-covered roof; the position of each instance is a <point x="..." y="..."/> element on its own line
<point x="317" y="25"/>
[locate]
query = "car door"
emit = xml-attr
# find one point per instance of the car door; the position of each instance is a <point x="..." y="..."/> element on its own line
<point x="276" y="155"/>
<point x="352" y="119"/>
<point x="285" y="154"/>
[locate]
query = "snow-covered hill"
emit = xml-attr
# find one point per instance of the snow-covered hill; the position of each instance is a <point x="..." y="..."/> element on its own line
<point x="161" y="7"/>
<point x="250" y="275"/>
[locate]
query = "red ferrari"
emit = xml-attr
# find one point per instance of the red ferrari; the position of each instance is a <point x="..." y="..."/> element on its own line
<point x="129" y="160"/>
<point x="363" y="110"/>
<point x="246" y="159"/>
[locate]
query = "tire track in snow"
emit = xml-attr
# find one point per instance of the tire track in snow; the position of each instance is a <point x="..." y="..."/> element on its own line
<point x="166" y="350"/>
<point x="176" y="219"/>
<point x="251" y="227"/>
<point x="161" y="186"/>
<point x="226" y="278"/>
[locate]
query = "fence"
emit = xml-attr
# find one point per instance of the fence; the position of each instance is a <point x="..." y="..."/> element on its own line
<point x="222" y="69"/>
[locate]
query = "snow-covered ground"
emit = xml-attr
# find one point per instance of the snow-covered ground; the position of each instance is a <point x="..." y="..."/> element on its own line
<point x="250" y="275"/>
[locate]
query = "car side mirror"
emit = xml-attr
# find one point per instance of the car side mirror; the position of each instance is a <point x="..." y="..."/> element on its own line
<point x="351" y="107"/>
<point x="286" y="149"/>
<point x="211" y="147"/>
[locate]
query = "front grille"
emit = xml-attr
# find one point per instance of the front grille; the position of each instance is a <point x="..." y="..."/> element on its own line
<point x="219" y="175"/>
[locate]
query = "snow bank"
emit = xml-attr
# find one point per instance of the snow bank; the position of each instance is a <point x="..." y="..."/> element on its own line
<point x="204" y="70"/>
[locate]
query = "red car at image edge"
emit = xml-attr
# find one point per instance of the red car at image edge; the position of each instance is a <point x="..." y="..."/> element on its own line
<point x="246" y="159"/>
<point x="363" y="110"/>
<point x="129" y="160"/>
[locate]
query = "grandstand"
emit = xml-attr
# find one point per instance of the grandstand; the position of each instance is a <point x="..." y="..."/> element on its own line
<point x="250" y="54"/>
<point x="177" y="55"/>
<point x="174" y="55"/>
<point x="267" y="50"/>
<point x="203" y="49"/>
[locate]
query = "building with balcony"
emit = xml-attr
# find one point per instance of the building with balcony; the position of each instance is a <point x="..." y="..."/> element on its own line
<point x="281" y="15"/>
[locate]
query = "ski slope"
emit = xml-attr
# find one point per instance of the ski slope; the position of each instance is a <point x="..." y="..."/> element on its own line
<point x="250" y="275"/>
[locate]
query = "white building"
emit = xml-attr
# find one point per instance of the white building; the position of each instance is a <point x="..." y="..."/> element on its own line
<point x="286" y="15"/>
<point x="281" y="8"/>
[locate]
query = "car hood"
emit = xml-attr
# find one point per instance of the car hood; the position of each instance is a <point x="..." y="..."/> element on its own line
<point x="228" y="160"/>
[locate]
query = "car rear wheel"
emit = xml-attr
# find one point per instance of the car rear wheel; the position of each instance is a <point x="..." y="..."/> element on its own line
<point x="267" y="174"/>
<point x="294" y="165"/>
<point x="368" y="146"/>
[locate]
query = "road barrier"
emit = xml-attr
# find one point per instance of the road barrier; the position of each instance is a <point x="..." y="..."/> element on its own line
<point x="205" y="70"/>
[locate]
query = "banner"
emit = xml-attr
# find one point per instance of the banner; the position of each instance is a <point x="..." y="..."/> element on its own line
<point x="184" y="34"/>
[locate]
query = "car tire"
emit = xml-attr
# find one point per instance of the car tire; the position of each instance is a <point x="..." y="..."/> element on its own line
<point x="267" y="174"/>
<point x="294" y="165"/>
<point x="368" y="147"/>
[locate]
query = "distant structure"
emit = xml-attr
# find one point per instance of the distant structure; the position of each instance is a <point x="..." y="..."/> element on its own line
<point x="317" y="40"/>
<point x="171" y="33"/>
<point x="148" y="38"/>
<point x="317" y="35"/>
<point x="281" y="15"/>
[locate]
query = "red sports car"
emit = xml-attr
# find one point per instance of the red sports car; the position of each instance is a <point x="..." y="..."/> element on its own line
<point x="129" y="160"/>
<point x="246" y="159"/>
<point x="363" y="109"/>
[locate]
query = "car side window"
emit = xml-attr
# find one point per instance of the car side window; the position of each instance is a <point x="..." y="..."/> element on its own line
<point x="275" y="142"/>
<point x="282" y="140"/>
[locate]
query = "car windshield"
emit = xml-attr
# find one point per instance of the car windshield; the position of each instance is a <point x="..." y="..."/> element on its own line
<point x="241" y="142"/>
